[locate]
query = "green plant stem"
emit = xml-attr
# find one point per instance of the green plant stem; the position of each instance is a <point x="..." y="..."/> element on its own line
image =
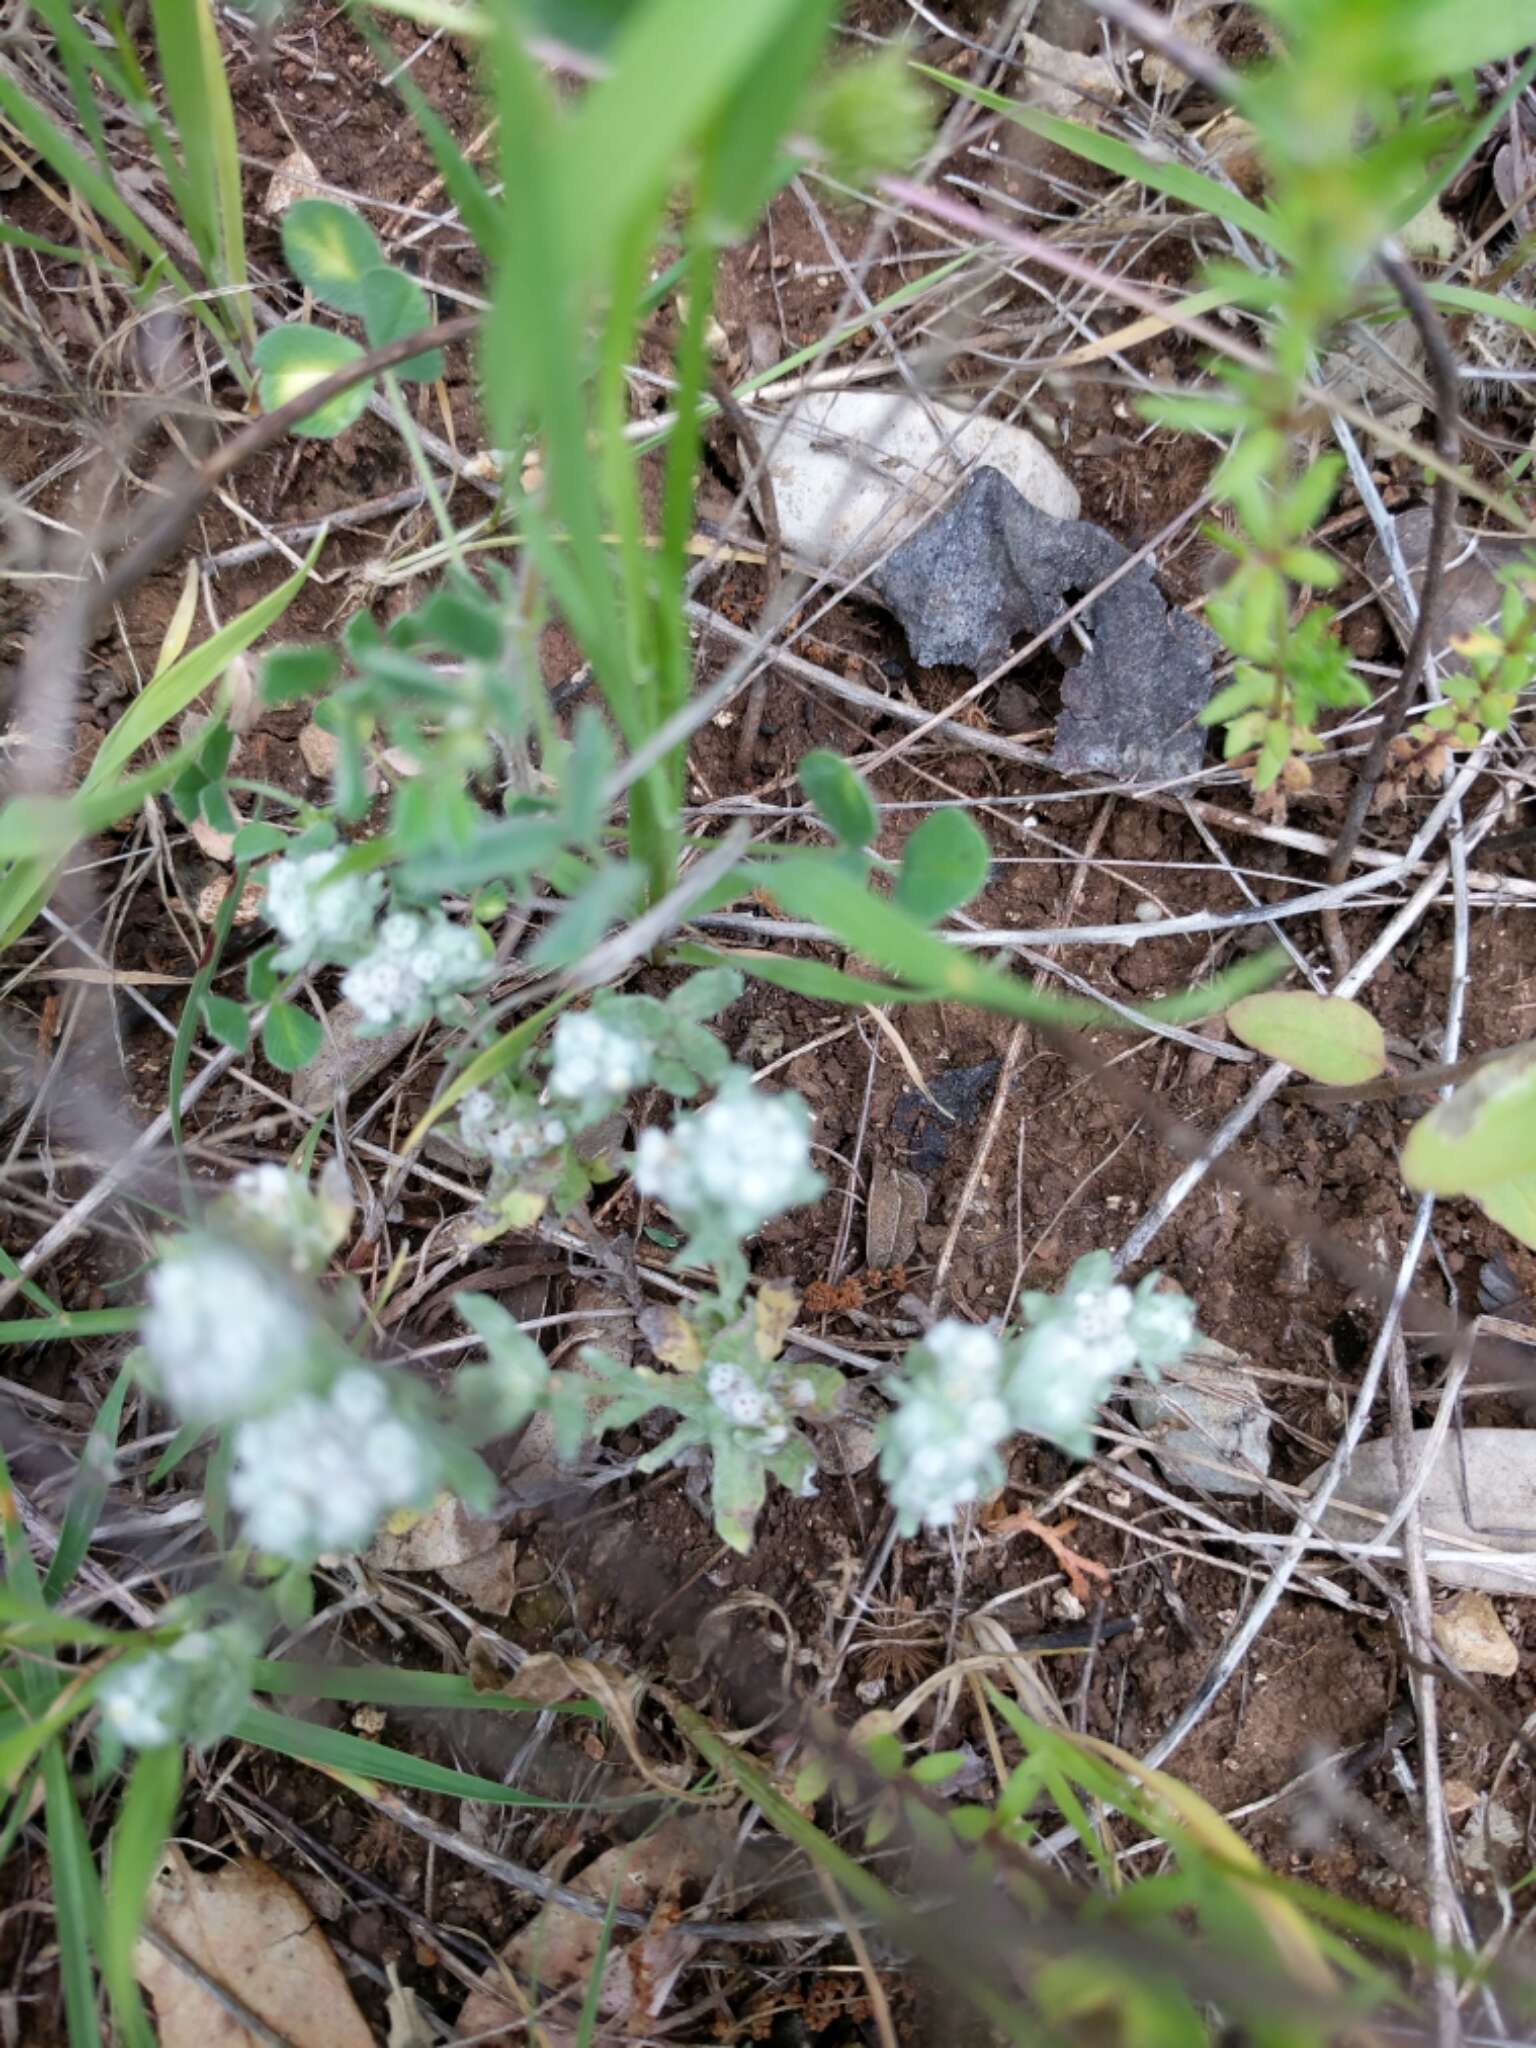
<point x="1442" y="369"/>
<point x="423" y="469"/>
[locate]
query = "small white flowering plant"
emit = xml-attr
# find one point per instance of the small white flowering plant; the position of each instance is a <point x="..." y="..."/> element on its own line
<point x="404" y="964"/>
<point x="966" y="1389"/>
<point x="735" y="1395"/>
<point x="192" y="1688"/>
<point x="538" y="1128"/>
<point x="316" y="1447"/>
<point x="724" y="1171"/>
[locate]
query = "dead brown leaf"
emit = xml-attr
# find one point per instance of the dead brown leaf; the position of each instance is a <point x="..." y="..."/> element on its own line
<point x="551" y="1960"/>
<point x="247" y="1929"/>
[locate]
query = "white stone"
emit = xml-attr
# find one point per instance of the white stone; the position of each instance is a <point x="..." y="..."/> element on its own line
<point x="855" y="472"/>
<point x="1492" y="1469"/>
<point x="1203" y="1415"/>
<point x="1472" y="1636"/>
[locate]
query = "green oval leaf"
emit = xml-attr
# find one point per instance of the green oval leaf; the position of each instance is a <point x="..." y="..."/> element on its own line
<point x="1327" y="1038"/>
<point x="257" y="839"/>
<point x="227" y="1021"/>
<point x="943" y="865"/>
<point x="293" y="359"/>
<point x="330" y="250"/>
<point x="394" y="306"/>
<point x="843" y="802"/>
<point x="1482" y="1138"/>
<point x="290" y="1037"/>
<point x="1512" y="1204"/>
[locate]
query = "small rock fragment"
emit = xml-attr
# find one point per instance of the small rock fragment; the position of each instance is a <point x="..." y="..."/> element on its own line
<point x="1472" y="1636"/>
<point x="296" y="177"/>
<point x="849" y="1443"/>
<point x="1205" y="1413"/>
<point x="211" y="842"/>
<point x="992" y="567"/>
<point x="1459" y="1797"/>
<point x="210" y="901"/>
<point x="1065" y="81"/>
<point x="320" y="750"/>
<point x="1470" y="592"/>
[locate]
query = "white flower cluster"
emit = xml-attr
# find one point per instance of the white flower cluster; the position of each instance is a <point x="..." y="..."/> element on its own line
<point x="189" y="1692"/>
<point x="221" y="1338"/>
<point x="319" y="923"/>
<point x="418" y="962"/>
<point x="300" y="1224"/>
<point x="966" y="1390"/>
<point x="761" y="1408"/>
<point x="1079" y="1343"/>
<point x="510" y="1131"/>
<point x="321" y="1472"/>
<point x="321" y="1447"/>
<point x="401" y="969"/>
<point x="595" y="1064"/>
<point x="732" y="1166"/>
<point x="940" y="1444"/>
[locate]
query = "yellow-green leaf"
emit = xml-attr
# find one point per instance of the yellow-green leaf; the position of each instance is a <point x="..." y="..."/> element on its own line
<point x="1512" y="1205"/>
<point x="294" y="359"/>
<point x="1483" y="1138"/>
<point x="1327" y="1038"/>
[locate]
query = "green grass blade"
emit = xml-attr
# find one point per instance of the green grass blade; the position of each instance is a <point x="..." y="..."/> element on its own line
<point x="76" y="1899"/>
<point x="37" y="833"/>
<point x="138" y="1842"/>
<point x="1464" y="298"/>
<point x="363" y="1763"/>
<point x="89" y="1490"/>
<point x="69" y="1323"/>
<point x="813" y="888"/>
<point x="855" y="1879"/>
<point x="174" y="688"/>
<point x="1467" y="148"/>
<point x="1175" y="181"/>
<point x="23" y="1619"/>
<point x="45" y="138"/>
<point x="101" y="798"/>
<point x="586" y="2024"/>
<point x="190" y="1022"/>
<point x="801" y="977"/>
<point x="29" y="1288"/>
<point x="535" y="364"/>
<point x="380" y="1685"/>
<point x="485" y="1066"/>
<point x="178" y="46"/>
<point x="18" y="238"/>
<point x="20" y="1565"/>
<point x="79" y="57"/>
<point x="480" y="213"/>
<point x="18" y="1750"/>
<point x="667" y="83"/>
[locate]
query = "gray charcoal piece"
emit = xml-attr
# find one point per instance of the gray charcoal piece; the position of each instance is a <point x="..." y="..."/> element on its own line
<point x="1205" y="1414"/>
<point x="992" y="567"/>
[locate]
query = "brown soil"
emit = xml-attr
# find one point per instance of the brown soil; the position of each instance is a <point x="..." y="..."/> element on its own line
<point x="634" y="1572"/>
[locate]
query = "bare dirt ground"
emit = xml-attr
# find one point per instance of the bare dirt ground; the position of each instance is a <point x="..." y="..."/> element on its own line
<point x="1042" y="1162"/>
